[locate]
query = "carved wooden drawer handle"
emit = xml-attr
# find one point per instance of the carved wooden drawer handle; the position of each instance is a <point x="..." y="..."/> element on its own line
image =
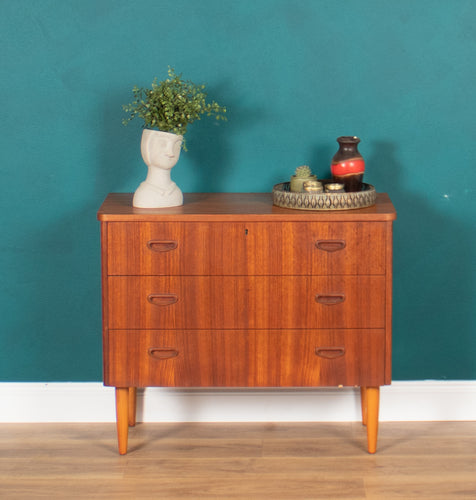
<point x="330" y="245"/>
<point x="330" y="352"/>
<point x="330" y="299"/>
<point x="162" y="245"/>
<point x="162" y="299"/>
<point x="162" y="352"/>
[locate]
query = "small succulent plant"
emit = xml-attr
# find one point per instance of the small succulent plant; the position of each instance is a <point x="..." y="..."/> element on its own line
<point x="301" y="175"/>
<point x="303" y="171"/>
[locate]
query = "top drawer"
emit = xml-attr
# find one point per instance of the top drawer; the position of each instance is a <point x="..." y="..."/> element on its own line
<point x="256" y="248"/>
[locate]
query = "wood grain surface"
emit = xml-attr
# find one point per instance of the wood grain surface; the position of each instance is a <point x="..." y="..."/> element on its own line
<point x="302" y="461"/>
<point x="235" y="207"/>
<point x="252" y="358"/>
<point x="251" y="248"/>
<point x="246" y="302"/>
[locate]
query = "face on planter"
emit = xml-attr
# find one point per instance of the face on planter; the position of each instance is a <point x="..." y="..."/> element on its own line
<point x="163" y="150"/>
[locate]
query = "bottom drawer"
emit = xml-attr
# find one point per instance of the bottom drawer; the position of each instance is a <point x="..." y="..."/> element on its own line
<point x="237" y="358"/>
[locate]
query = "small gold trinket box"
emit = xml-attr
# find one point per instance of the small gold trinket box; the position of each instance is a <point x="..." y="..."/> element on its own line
<point x="335" y="187"/>
<point x="312" y="187"/>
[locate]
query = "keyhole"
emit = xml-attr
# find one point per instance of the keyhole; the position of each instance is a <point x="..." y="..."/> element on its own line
<point x="246" y="231"/>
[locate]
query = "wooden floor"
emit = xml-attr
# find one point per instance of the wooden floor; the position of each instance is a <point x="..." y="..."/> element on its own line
<point x="239" y="461"/>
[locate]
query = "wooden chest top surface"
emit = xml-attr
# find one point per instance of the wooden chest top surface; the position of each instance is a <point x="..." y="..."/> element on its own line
<point x="236" y="207"/>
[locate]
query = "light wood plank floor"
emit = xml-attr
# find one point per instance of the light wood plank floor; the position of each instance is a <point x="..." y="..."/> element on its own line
<point x="239" y="461"/>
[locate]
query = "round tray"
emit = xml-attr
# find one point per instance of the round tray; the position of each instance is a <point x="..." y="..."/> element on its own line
<point x="283" y="197"/>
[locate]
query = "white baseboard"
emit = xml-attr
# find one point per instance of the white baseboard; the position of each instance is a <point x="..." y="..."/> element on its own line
<point x="91" y="402"/>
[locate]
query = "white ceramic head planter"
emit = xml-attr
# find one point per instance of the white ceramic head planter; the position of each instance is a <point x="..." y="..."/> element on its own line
<point x="160" y="151"/>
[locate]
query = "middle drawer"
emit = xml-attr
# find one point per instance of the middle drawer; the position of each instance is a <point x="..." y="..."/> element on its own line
<point x="196" y="302"/>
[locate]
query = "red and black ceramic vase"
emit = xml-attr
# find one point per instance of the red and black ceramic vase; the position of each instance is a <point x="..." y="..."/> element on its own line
<point x="347" y="165"/>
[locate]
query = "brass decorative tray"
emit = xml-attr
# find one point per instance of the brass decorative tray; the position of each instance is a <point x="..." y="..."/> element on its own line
<point x="285" y="198"/>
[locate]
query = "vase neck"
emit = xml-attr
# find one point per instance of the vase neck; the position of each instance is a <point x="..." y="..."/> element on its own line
<point x="159" y="177"/>
<point x="348" y="148"/>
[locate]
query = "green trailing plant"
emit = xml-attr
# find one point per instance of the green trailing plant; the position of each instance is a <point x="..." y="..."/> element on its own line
<point x="171" y="105"/>
<point x="302" y="171"/>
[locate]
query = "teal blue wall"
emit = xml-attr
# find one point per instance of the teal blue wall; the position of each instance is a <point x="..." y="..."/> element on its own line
<point x="294" y="74"/>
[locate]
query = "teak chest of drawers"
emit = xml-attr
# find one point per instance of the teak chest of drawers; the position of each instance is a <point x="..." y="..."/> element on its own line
<point x="231" y="291"/>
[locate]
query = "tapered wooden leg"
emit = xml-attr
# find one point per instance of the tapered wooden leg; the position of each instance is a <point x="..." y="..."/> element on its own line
<point x="132" y="406"/>
<point x="372" y="398"/>
<point x="363" y="403"/>
<point x="122" y="418"/>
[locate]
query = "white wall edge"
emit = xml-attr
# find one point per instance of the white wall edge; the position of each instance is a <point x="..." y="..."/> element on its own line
<point x="92" y="402"/>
